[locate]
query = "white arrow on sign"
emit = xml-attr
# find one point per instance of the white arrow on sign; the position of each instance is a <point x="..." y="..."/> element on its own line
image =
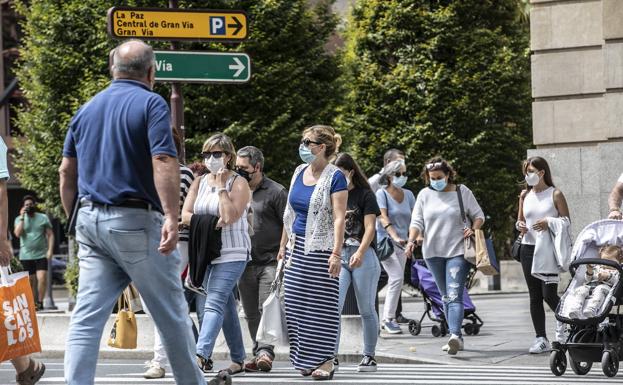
<point x="239" y="67"/>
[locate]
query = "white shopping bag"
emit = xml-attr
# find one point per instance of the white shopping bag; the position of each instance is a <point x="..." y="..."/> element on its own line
<point x="272" y="329"/>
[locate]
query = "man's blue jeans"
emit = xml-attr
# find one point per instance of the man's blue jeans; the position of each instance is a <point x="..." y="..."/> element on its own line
<point x="450" y="275"/>
<point x="219" y="310"/>
<point x="365" y="279"/>
<point x="117" y="246"/>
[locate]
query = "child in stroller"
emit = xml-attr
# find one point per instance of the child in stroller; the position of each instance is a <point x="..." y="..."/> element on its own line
<point x="586" y="300"/>
<point x="422" y="278"/>
<point x="594" y="336"/>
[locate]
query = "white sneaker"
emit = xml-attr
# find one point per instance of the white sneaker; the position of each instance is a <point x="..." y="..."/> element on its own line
<point x="455" y="343"/>
<point x="540" y="345"/>
<point x="154" y="370"/>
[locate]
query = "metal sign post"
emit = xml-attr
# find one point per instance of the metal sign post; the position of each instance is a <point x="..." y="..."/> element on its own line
<point x="189" y="67"/>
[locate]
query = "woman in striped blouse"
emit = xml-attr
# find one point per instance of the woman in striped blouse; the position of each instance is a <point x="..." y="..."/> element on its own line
<point x="221" y="193"/>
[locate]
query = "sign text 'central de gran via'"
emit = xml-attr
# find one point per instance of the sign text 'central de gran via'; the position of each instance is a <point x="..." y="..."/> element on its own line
<point x="202" y="67"/>
<point x="177" y="24"/>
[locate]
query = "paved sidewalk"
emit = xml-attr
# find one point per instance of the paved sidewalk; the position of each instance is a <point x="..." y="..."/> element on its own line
<point x="504" y="338"/>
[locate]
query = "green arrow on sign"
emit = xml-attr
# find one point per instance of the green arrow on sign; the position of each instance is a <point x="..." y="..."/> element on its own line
<point x="202" y="67"/>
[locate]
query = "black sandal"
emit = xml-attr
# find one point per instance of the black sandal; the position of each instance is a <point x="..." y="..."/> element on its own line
<point x="205" y="364"/>
<point x="232" y="370"/>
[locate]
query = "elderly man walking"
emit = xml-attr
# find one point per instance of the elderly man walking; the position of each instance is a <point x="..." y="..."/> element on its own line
<point x="269" y="202"/>
<point x="119" y="158"/>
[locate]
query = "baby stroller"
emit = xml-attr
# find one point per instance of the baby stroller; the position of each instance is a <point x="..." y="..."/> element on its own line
<point x="422" y="278"/>
<point x="598" y="338"/>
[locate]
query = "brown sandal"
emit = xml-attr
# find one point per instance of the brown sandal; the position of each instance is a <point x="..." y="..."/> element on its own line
<point x="31" y="375"/>
<point x="264" y="362"/>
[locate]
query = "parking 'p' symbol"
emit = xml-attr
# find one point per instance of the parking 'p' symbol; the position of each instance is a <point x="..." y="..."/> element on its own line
<point x="217" y="25"/>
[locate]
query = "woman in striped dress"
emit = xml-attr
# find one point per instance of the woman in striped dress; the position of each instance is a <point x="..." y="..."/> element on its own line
<point x="312" y="245"/>
<point x="221" y="193"/>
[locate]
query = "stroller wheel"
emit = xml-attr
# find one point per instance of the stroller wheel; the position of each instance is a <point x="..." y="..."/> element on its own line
<point x="415" y="327"/>
<point x="610" y="363"/>
<point x="476" y="330"/>
<point x="580" y="368"/>
<point x="444" y="329"/>
<point x="558" y="362"/>
<point x="469" y="329"/>
<point x="436" y="330"/>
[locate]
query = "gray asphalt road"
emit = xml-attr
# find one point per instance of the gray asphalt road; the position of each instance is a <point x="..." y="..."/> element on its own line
<point x="128" y="372"/>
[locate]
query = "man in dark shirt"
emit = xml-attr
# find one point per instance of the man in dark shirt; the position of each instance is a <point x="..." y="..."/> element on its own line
<point x="269" y="202"/>
<point x="119" y="158"/>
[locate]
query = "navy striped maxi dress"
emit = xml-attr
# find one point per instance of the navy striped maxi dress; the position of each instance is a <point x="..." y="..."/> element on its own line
<point x="311" y="305"/>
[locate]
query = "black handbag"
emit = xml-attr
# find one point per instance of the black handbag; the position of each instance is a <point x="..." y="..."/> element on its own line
<point x="384" y="248"/>
<point x="516" y="247"/>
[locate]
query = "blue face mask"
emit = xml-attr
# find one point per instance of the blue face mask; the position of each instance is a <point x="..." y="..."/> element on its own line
<point x="399" y="181"/>
<point x="306" y="154"/>
<point x="439" y="184"/>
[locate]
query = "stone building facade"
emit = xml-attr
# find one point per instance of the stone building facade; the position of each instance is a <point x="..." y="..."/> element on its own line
<point x="577" y="90"/>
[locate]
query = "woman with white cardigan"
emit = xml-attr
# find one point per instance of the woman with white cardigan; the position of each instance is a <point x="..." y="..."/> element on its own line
<point x="438" y="226"/>
<point x="313" y="235"/>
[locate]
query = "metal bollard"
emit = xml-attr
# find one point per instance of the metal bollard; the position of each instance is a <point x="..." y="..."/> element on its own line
<point x="71" y="255"/>
<point x="48" y="302"/>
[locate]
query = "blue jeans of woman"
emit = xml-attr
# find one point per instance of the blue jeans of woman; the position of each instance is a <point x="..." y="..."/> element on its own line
<point x="450" y="275"/>
<point x="364" y="279"/>
<point x="219" y="310"/>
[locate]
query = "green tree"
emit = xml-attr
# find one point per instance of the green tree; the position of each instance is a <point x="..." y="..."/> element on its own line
<point x="294" y="83"/>
<point x="442" y="77"/>
<point x="64" y="62"/>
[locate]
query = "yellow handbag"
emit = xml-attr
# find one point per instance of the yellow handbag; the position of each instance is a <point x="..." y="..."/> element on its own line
<point x="124" y="332"/>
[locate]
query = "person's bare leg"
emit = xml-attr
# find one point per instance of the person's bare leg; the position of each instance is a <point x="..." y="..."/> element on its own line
<point x="42" y="280"/>
<point x="21" y="363"/>
<point x="33" y="286"/>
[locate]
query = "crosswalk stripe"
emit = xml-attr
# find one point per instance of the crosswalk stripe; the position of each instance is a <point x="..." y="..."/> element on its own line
<point x="131" y="374"/>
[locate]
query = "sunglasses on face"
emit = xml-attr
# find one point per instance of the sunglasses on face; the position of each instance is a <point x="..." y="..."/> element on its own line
<point x="430" y="166"/>
<point x="400" y="174"/>
<point x="307" y="142"/>
<point x="214" y="154"/>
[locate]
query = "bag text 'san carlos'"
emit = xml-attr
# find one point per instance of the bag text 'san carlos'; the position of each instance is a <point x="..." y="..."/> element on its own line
<point x="17" y="320"/>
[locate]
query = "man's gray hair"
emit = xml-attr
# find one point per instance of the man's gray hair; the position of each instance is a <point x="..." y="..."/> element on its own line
<point x="135" y="65"/>
<point x="254" y="154"/>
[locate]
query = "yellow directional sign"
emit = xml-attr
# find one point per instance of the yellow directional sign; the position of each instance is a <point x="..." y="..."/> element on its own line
<point x="177" y="24"/>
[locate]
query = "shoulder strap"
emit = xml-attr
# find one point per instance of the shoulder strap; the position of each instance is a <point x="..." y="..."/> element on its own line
<point x="458" y="194"/>
<point x="230" y="182"/>
<point x="386" y="201"/>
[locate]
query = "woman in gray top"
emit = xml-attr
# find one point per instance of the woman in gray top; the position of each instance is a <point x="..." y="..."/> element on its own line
<point x="436" y="224"/>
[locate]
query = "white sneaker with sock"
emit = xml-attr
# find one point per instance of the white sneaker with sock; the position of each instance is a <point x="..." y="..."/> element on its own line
<point x="540" y="345"/>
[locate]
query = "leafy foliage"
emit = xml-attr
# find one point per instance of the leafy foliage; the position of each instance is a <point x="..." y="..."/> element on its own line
<point x="64" y="62"/>
<point x="442" y="77"/>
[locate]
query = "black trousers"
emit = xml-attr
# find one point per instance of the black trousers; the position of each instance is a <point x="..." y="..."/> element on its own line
<point x="538" y="290"/>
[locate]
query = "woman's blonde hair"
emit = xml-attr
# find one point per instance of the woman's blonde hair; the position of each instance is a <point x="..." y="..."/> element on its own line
<point x="327" y="136"/>
<point x="224" y="142"/>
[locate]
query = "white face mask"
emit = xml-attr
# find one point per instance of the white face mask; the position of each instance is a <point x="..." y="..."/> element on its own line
<point x="213" y="164"/>
<point x="532" y="178"/>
